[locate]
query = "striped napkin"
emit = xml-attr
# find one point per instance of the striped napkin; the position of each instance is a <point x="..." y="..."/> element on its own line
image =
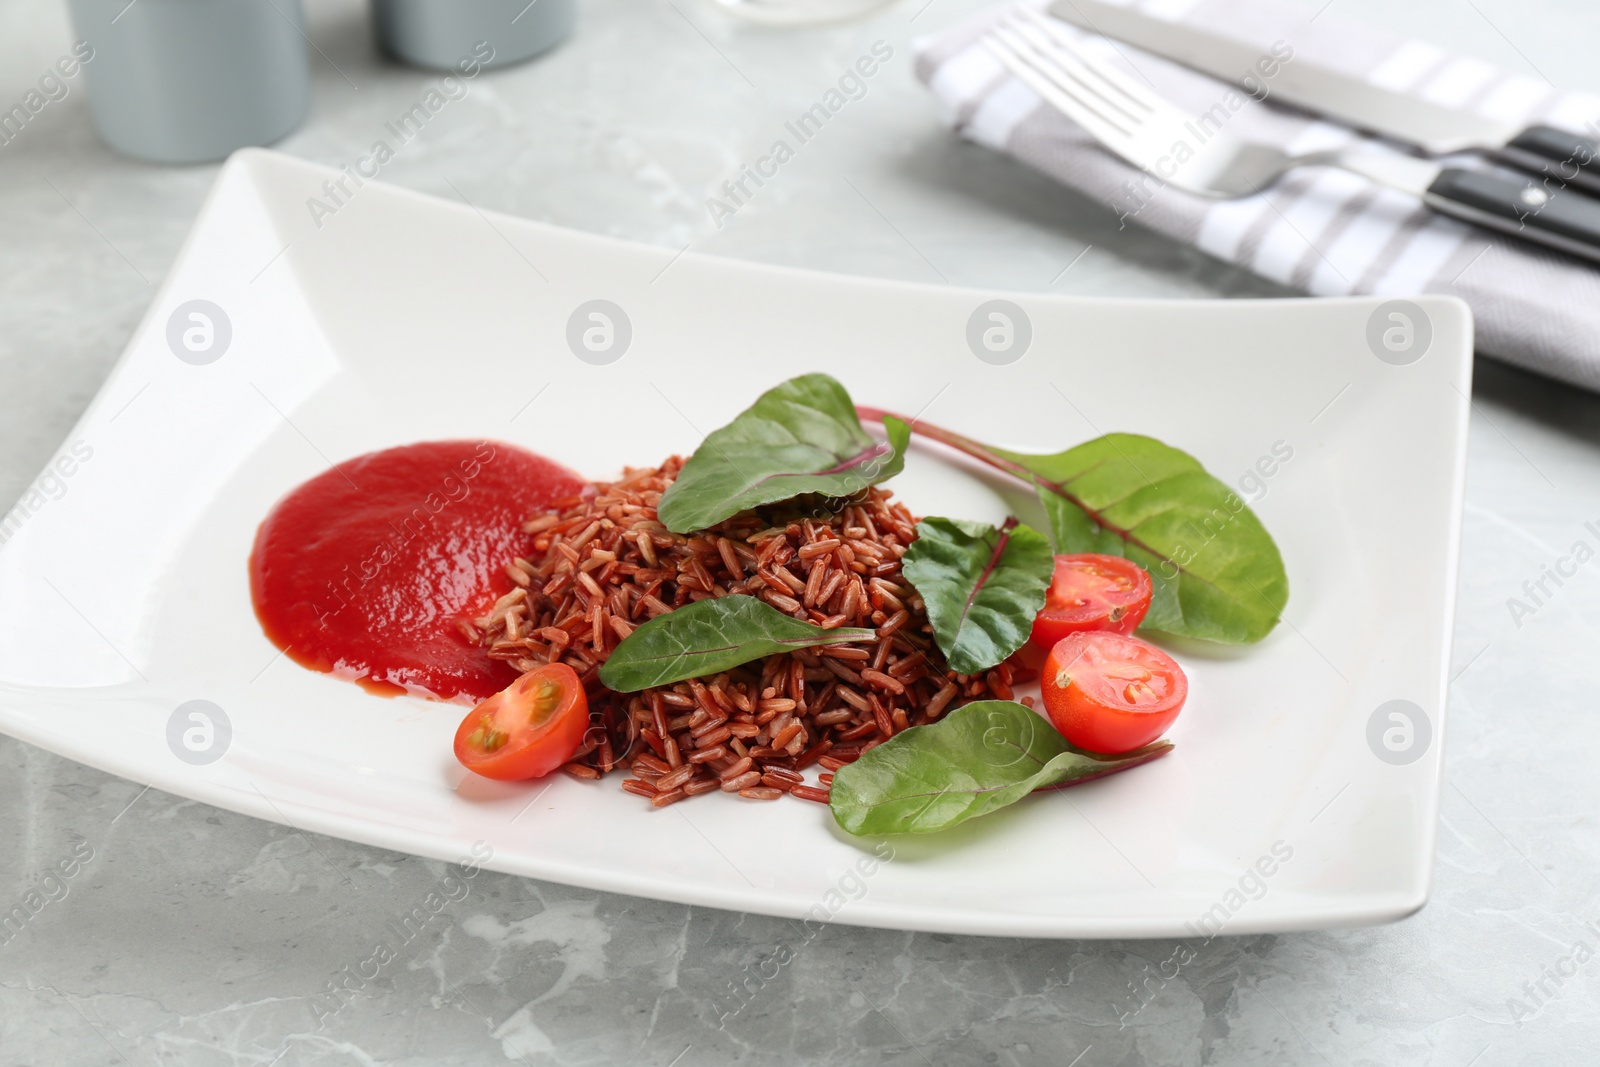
<point x="1318" y="230"/>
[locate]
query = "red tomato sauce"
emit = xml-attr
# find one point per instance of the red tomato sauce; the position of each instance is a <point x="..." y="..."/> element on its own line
<point x="364" y="570"/>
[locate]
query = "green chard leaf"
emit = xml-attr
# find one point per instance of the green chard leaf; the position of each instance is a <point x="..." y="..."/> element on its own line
<point x="1216" y="571"/>
<point x="982" y="586"/>
<point x="801" y="437"/>
<point x="978" y="759"/>
<point x="710" y="636"/>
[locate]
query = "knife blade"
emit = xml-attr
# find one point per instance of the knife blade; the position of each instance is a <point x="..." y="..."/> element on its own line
<point x="1345" y="98"/>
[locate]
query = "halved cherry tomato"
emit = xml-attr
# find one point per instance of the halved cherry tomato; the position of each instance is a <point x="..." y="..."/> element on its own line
<point x="528" y="729"/>
<point x="1111" y="693"/>
<point x="1092" y="592"/>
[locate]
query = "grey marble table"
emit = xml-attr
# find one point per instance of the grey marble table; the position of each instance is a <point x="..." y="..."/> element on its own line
<point x="192" y="935"/>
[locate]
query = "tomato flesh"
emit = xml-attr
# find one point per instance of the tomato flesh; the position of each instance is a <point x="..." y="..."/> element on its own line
<point x="1111" y="693"/>
<point x="1090" y="591"/>
<point x="528" y="729"/>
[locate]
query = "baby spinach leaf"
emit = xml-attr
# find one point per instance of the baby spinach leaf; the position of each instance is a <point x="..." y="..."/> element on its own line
<point x="801" y="437"/>
<point x="710" y="636"/>
<point x="979" y="758"/>
<point x="1216" y="572"/>
<point x="982" y="586"/>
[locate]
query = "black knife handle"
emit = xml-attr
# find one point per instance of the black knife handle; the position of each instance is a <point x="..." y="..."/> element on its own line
<point x="1537" y="211"/>
<point x="1567" y="157"/>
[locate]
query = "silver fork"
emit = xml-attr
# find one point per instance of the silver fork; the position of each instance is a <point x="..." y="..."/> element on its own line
<point x="1132" y="121"/>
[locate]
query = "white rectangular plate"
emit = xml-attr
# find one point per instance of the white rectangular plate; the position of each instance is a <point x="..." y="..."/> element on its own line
<point x="399" y="318"/>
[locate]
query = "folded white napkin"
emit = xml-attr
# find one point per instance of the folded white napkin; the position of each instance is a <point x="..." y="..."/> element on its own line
<point x="1320" y="230"/>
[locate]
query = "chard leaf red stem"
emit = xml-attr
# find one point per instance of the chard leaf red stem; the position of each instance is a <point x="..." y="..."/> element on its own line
<point x="983" y="454"/>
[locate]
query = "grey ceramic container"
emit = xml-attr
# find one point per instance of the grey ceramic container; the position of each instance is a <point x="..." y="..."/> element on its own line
<point x="444" y="34"/>
<point x="189" y="81"/>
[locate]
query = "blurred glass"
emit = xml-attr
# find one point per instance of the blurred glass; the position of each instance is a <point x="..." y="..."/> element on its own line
<point x="799" y="12"/>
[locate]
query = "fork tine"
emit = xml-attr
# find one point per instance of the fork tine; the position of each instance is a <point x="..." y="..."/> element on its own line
<point x="1004" y="47"/>
<point x="1062" y="39"/>
<point x="1081" y="79"/>
<point x="1129" y="122"/>
<point x="1066" y="77"/>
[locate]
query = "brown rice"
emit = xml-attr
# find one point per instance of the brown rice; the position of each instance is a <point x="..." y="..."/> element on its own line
<point x="604" y="564"/>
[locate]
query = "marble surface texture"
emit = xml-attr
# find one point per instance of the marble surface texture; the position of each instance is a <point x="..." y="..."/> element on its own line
<point x="191" y="935"/>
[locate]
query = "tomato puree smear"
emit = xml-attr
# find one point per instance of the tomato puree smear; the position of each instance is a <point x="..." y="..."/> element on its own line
<point x="364" y="570"/>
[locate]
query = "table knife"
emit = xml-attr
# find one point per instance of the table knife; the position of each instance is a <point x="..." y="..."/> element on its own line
<point x="1347" y="98"/>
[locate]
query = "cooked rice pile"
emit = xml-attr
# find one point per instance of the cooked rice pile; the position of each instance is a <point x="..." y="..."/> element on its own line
<point x="605" y="565"/>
